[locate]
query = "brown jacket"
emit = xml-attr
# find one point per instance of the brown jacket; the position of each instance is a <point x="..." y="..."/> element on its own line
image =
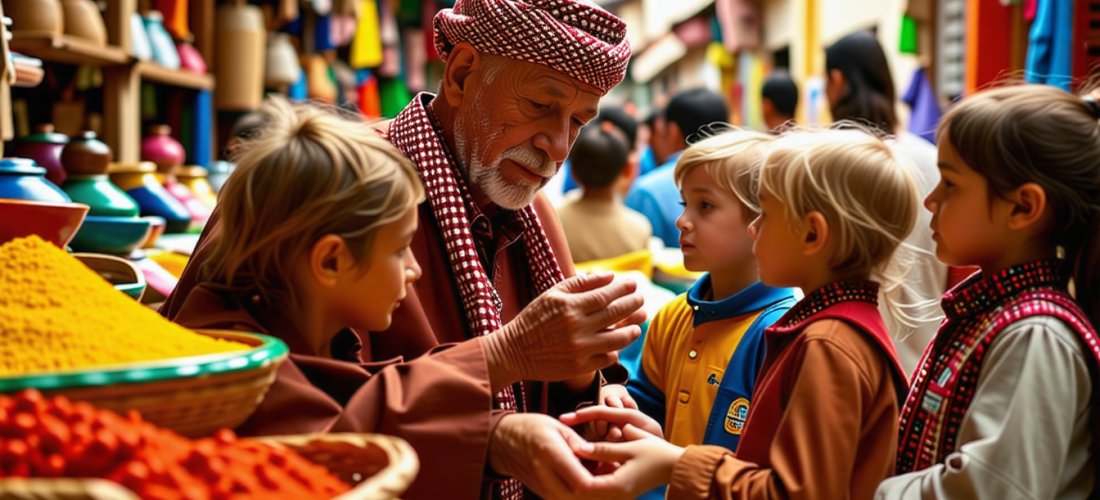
<point x="835" y="432"/>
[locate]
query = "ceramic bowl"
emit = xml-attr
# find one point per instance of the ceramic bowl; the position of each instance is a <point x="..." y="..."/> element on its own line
<point x="121" y="273"/>
<point x="56" y="223"/>
<point x="156" y="229"/>
<point x="35" y="16"/>
<point x="111" y="235"/>
<point x="83" y="19"/>
<point x="21" y="179"/>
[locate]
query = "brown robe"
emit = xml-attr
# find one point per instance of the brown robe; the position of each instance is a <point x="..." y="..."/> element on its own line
<point x="317" y="394"/>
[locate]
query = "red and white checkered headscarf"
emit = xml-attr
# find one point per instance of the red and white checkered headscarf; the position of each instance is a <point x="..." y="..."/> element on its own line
<point x="574" y="37"/>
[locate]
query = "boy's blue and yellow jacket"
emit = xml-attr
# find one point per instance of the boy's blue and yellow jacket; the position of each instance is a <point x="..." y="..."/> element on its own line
<point x="700" y="360"/>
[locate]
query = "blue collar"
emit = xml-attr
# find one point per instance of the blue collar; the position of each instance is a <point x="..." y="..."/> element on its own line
<point x="756" y="297"/>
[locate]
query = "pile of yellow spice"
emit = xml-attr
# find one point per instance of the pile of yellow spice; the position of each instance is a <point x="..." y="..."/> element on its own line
<point x="57" y="314"/>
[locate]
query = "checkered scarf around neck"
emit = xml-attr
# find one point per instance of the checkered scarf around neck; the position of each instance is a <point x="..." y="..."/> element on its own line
<point x="574" y="37"/>
<point x="416" y="134"/>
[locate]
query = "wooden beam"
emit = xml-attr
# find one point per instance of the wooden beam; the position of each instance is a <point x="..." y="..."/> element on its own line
<point x="122" y="107"/>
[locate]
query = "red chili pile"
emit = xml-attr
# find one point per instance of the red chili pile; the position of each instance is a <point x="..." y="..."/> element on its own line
<point x="42" y="437"/>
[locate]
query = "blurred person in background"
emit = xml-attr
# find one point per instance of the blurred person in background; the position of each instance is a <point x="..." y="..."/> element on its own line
<point x="597" y="225"/>
<point x="860" y="88"/>
<point x="655" y="194"/>
<point x="779" y="100"/>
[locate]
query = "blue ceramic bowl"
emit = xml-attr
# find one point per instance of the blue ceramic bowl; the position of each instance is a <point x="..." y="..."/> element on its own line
<point x="21" y="179"/>
<point x="111" y="235"/>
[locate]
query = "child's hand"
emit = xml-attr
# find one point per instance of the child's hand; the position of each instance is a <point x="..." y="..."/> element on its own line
<point x="635" y="467"/>
<point x="616" y="396"/>
<point x="611" y="421"/>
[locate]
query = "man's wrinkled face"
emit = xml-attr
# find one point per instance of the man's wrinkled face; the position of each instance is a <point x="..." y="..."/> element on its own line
<point x="516" y="127"/>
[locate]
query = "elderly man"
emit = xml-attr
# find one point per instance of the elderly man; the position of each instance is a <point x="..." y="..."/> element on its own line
<point x="510" y="344"/>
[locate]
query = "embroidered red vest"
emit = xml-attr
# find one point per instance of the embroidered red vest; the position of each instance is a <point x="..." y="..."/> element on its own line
<point x="854" y="302"/>
<point x="977" y="311"/>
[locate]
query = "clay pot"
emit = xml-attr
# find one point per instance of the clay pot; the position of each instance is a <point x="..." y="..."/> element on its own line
<point x="196" y="179"/>
<point x="239" y="62"/>
<point x="190" y="58"/>
<point x="85" y="155"/>
<point x="164" y="49"/>
<point x="140" y="47"/>
<point x="83" y="19"/>
<point x="36" y="16"/>
<point x="44" y="147"/>
<point x="104" y="198"/>
<point x="283" y="68"/>
<point x="140" y="181"/>
<point x="161" y="148"/>
<point x="21" y="179"/>
<point x="200" y="213"/>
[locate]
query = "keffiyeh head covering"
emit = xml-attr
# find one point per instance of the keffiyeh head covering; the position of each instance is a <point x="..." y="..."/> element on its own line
<point x="574" y="37"/>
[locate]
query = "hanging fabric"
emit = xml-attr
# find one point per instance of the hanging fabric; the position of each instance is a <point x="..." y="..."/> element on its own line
<point x="1050" y="48"/>
<point x="322" y="37"/>
<point x="175" y="16"/>
<point x="415" y="59"/>
<point x="366" y="47"/>
<point x="202" y="150"/>
<point x="921" y="98"/>
<point x="369" y="103"/>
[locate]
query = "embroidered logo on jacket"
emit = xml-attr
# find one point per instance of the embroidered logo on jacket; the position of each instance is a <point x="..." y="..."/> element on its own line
<point x="736" y="416"/>
<point x="713" y="379"/>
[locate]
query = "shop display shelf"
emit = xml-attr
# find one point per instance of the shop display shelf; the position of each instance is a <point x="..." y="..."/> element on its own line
<point x="66" y="49"/>
<point x="152" y="72"/>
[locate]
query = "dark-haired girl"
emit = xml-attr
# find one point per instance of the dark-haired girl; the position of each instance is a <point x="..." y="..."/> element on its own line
<point x="1002" y="405"/>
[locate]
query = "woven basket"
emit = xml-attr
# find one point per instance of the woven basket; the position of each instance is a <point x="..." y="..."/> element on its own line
<point x="380" y="467"/>
<point x="191" y="396"/>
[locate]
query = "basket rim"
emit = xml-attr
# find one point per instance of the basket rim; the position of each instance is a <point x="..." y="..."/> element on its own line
<point x="271" y="350"/>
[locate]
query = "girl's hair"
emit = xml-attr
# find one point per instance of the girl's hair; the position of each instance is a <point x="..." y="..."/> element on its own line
<point x="1036" y="133"/>
<point x="731" y="158"/>
<point x="306" y="173"/>
<point x="870" y="97"/>
<point x="864" y="189"/>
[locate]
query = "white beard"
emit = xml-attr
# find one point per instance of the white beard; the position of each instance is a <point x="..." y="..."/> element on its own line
<point x="485" y="173"/>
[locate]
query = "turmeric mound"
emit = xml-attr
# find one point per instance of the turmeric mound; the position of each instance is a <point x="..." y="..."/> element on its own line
<point x="57" y="314"/>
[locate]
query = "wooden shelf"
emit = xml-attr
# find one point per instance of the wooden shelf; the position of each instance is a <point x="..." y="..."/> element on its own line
<point x="152" y="72"/>
<point x="66" y="49"/>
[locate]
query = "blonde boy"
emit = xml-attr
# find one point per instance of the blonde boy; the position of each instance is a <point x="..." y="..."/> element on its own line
<point x="702" y="351"/>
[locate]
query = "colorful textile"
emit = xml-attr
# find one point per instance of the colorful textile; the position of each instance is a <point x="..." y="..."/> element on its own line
<point x="578" y="39"/>
<point x="366" y="47"/>
<point x="1050" y="44"/>
<point x="921" y="98"/>
<point x="977" y="311"/>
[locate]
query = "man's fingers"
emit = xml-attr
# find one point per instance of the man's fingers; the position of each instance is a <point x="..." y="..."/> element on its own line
<point x="586" y="282"/>
<point x="614" y="402"/>
<point x="616" y="340"/>
<point x="563" y="461"/>
<point x="618" y="310"/>
<point x="595" y="300"/>
<point x="617" y="416"/>
<point x="637" y="318"/>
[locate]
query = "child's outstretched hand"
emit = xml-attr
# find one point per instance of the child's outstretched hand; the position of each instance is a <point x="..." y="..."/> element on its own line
<point x="642" y="463"/>
<point x="616" y="396"/>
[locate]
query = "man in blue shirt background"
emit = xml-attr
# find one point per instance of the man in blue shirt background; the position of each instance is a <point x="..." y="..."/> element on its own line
<point x="655" y="194"/>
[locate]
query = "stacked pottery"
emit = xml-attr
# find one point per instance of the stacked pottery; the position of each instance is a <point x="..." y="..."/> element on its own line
<point x="139" y="180"/>
<point x="30" y="204"/>
<point x="196" y="179"/>
<point x="159" y="147"/>
<point x="112" y="225"/>
<point x="44" y="147"/>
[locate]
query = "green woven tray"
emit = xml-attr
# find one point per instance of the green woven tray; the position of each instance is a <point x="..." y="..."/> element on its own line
<point x="265" y="351"/>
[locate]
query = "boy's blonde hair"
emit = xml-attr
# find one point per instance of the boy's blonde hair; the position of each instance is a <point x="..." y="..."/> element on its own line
<point x="865" y="190"/>
<point x="308" y="172"/>
<point x="730" y="158"/>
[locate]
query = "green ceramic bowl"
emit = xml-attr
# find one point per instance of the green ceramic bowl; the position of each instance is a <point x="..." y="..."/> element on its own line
<point x="111" y="235"/>
<point x="96" y="191"/>
<point x="265" y="351"/>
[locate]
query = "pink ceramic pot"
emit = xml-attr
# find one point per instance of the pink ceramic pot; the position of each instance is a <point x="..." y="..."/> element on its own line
<point x="190" y="59"/>
<point x="159" y="147"/>
<point x="200" y="213"/>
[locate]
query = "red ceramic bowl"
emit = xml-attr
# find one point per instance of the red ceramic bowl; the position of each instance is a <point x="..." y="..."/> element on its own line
<point x="53" y="222"/>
